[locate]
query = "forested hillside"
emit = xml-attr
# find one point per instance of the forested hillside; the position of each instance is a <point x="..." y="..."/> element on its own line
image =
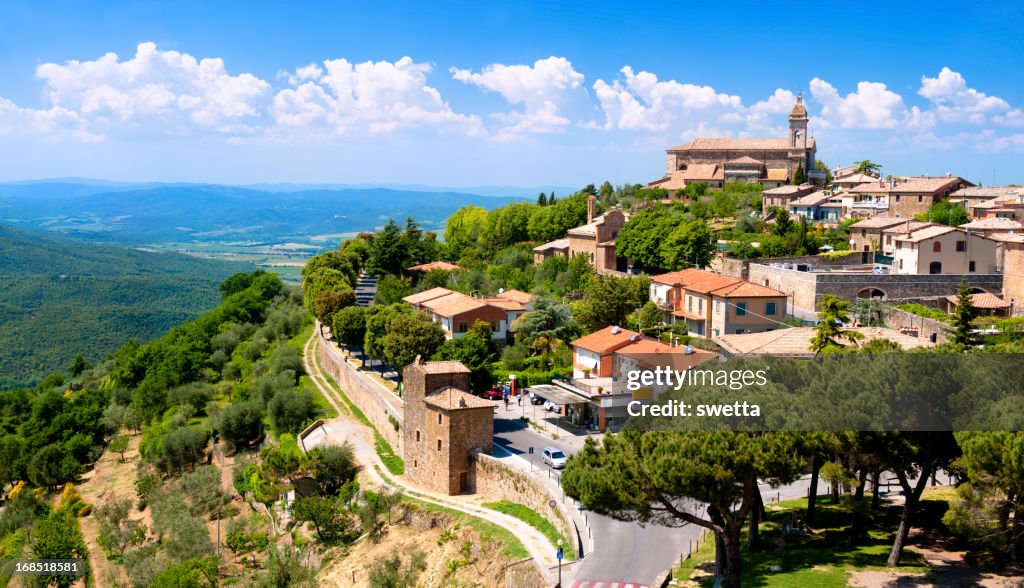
<point x="60" y="297"/>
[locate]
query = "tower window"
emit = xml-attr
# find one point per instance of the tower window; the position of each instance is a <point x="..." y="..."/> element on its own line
<point x="439" y="418"/>
<point x="439" y="445"/>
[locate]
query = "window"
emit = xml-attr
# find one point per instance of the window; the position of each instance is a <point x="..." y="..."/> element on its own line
<point x="961" y="246"/>
<point x="770" y="309"/>
<point x="901" y="264"/>
<point x="463" y="326"/>
<point x="970" y="267"/>
<point x="935" y="267"/>
<point x="495" y="326"/>
<point x="439" y="418"/>
<point x="741" y="309"/>
<point x="740" y="331"/>
<point x="937" y="247"/>
<point x="417" y="436"/>
<point x="439" y="445"/>
<point x="700" y="305"/>
<point x="897" y="198"/>
<point x="920" y="198"/>
<point x="689" y="303"/>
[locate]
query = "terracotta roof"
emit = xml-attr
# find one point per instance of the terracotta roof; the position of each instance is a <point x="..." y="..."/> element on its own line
<point x="912" y="186"/>
<point x="778" y="174"/>
<point x="910" y="226"/>
<point x="453" y="304"/>
<point x="590" y="229"/>
<point x="1000" y="224"/>
<point x="451" y="398"/>
<point x="434" y="265"/>
<point x="443" y="367"/>
<point x="715" y="284"/>
<point x="989" y="192"/>
<point x="812" y="199"/>
<point x="652" y="352"/>
<point x="745" y="160"/>
<point x="983" y="300"/>
<point x="994" y="203"/>
<point x="789" y="190"/>
<point x="730" y="144"/>
<point x="556" y="244"/>
<point x="605" y="340"/>
<point x="505" y="304"/>
<point x="855" y="178"/>
<point x="702" y="171"/>
<point x="421" y="297"/>
<point x="517" y="295"/>
<point x="747" y="290"/>
<point x="671" y="182"/>
<point x="793" y="342"/>
<point x="1007" y="238"/>
<point x="926" y="233"/>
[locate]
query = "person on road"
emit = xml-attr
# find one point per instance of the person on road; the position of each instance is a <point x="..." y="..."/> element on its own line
<point x="506" y="402"/>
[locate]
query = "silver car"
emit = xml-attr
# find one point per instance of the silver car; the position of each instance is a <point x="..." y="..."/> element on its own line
<point x="554" y="457"/>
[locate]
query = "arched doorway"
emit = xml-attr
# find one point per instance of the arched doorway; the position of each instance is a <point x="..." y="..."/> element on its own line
<point x="935" y="267"/>
<point x="872" y="293"/>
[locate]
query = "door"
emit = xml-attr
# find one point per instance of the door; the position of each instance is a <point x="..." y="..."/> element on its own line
<point x="463" y="482"/>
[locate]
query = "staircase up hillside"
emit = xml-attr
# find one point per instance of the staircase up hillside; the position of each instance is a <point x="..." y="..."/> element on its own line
<point x="366" y="290"/>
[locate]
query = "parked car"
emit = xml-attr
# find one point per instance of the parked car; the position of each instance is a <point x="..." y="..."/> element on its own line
<point x="550" y="406"/>
<point x="534" y="399"/>
<point x="495" y="393"/>
<point x="554" y="457"/>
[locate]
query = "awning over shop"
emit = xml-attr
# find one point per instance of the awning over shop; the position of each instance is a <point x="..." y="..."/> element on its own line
<point x="557" y="395"/>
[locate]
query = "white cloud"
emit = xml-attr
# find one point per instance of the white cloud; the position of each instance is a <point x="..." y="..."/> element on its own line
<point x="872" y="106"/>
<point x="374" y="96"/>
<point x="954" y="101"/>
<point x="539" y="88"/>
<point x="638" y="101"/>
<point x="155" y="91"/>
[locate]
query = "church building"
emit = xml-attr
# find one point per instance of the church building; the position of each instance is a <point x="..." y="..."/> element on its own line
<point x="770" y="162"/>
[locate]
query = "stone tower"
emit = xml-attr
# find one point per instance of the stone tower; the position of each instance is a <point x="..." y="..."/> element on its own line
<point x="444" y="425"/>
<point x="798" y="125"/>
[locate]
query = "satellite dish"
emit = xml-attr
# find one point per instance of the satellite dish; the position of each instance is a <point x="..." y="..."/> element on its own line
<point x="615" y="330"/>
<point x="501" y="290"/>
<point x="632" y="337"/>
<point x="688" y="350"/>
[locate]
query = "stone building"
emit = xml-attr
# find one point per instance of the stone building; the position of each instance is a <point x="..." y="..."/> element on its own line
<point x="596" y="239"/>
<point x="939" y="249"/>
<point x="444" y="426"/>
<point x="782" y="196"/>
<point x="770" y="162"/>
<point x="903" y="199"/>
<point x="1013" y="271"/>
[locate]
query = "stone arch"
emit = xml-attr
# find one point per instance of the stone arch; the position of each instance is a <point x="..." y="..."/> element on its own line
<point x="872" y="292"/>
<point x="977" y="290"/>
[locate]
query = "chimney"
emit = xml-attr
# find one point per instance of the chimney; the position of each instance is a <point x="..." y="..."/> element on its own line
<point x="891" y="184"/>
<point x="949" y="174"/>
<point x="591" y="205"/>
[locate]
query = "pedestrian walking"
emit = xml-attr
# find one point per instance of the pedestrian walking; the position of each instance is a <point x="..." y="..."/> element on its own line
<point x="506" y="402"/>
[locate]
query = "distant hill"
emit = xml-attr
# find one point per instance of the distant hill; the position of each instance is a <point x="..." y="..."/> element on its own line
<point x="61" y="296"/>
<point x="204" y="213"/>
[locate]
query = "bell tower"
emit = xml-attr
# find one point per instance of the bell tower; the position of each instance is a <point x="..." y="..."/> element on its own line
<point x="798" y="125"/>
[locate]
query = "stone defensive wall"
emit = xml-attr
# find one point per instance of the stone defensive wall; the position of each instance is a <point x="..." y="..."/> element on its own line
<point x="366" y="393"/>
<point x="806" y="288"/>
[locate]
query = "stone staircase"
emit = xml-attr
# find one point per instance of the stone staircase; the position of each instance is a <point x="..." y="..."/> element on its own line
<point x="366" y="289"/>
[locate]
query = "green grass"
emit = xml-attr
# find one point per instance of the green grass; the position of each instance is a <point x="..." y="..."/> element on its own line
<point x="535" y="520"/>
<point x="394" y="462"/>
<point x="825" y="558"/>
<point x="298" y="342"/>
<point x="513" y="548"/>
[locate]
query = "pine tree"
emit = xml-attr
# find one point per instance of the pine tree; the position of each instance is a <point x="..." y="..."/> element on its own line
<point x="827" y="333"/>
<point x="799" y="176"/>
<point x="542" y="199"/>
<point x="962" y="333"/>
<point x="551" y="199"/>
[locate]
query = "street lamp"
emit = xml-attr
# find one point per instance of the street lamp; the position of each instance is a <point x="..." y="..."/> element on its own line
<point x="558" y="555"/>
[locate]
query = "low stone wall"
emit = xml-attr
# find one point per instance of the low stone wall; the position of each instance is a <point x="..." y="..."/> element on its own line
<point x="924" y="328"/>
<point x="365" y="393"/>
<point x="495" y="481"/>
<point x="740" y="268"/>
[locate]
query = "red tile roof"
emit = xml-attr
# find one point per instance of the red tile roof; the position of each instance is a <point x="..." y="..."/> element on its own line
<point x="517" y="295"/>
<point x="421" y="297"/>
<point x="453" y="304"/>
<point x="739" y="144"/>
<point x="983" y="300"/>
<point x="605" y="340"/>
<point x="451" y="398"/>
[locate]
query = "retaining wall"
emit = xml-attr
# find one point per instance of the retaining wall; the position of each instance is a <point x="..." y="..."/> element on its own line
<point x="367" y="394"/>
<point x="495" y="481"/>
<point x="924" y="328"/>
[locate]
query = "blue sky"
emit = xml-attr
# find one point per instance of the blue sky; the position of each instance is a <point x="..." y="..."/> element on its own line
<point x="516" y="93"/>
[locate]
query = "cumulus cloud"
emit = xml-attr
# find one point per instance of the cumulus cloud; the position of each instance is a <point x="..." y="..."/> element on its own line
<point x="375" y="96"/>
<point x="538" y="89"/>
<point x="162" y="91"/>
<point x="872" y="106"/>
<point x="953" y="100"/>
<point x="639" y="101"/>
